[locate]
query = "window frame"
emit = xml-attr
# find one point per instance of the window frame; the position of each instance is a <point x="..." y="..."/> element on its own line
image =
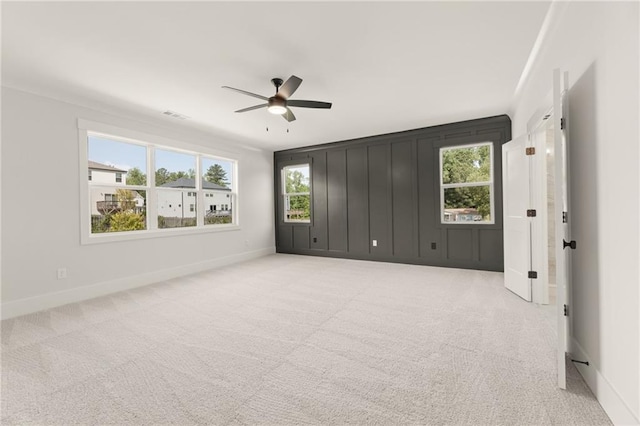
<point x="284" y="194"/>
<point x="151" y="142"/>
<point x="490" y="183"/>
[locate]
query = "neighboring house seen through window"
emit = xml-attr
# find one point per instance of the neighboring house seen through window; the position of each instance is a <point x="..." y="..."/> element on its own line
<point x="122" y="193"/>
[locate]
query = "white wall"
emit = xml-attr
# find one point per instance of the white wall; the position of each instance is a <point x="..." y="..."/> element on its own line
<point x="42" y="233"/>
<point x="597" y="42"/>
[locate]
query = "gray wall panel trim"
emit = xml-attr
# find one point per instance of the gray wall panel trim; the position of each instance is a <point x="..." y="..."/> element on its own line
<point x="386" y="188"/>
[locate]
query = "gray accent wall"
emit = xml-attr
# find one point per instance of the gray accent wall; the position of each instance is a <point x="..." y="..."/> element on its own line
<point x="386" y="188"/>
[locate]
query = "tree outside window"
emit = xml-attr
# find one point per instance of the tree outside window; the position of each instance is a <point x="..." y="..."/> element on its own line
<point x="466" y="183"/>
<point x="297" y="193"/>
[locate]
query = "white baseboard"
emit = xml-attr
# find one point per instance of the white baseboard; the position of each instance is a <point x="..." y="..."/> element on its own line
<point x="610" y="400"/>
<point x="29" y="305"/>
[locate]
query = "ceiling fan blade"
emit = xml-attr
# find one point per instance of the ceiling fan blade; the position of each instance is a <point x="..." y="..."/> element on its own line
<point x="289" y="86"/>
<point x="246" y="93"/>
<point x="289" y="116"/>
<point x="308" y="104"/>
<point x="251" y="108"/>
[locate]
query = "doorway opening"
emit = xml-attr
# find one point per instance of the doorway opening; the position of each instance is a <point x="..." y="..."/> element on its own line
<point x="549" y="145"/>
<point x="543" y="195"/>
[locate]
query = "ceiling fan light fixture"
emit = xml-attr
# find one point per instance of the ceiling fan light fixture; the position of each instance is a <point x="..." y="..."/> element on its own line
<point x="277" y="105"/>
<point x="277" y="109"/>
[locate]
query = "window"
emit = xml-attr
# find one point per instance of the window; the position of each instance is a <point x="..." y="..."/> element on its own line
<point x="114" y="206"/>
<point x="217" y="181"/>
<point x="466" y="184"/>
<point x="296" y="190"/>
<point x="174" y="172"/>
<point x="121" y="194"/>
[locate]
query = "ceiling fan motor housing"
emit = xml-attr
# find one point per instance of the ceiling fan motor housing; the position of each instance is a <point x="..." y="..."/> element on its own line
<point x="276" y="101"/>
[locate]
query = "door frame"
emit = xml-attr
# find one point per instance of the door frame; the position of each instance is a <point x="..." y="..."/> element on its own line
<point x="538" y="124"/>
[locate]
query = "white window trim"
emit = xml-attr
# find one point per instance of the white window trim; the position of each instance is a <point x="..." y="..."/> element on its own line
<point x="86" y="127"/>
<point x="283" y="180"/>
<point x="489" y="183"/>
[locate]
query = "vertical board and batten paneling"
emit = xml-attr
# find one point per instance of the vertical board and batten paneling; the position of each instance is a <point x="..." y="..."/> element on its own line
<point x="319" y="202"/>
<point x="386" y="188"/>
<point x="405" y="231"/>
<point x="336" y="200"/>
<point x="380" y="201"/>
<point x="357" y="201"/>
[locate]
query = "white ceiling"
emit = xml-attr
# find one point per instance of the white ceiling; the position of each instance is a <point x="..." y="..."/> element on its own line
<point x="385" y="66"/>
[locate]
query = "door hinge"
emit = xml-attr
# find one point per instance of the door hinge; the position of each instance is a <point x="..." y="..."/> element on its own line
<point x="530" y="150"/>
<point x="562" y="123"/>
<point x="533" y="274"/>
<point x="531" y="213"/>
<point x="566" y="311"/>
<point x="564" y="217"/>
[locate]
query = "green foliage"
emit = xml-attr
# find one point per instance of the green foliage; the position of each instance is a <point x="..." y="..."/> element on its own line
<point x="126" y="199"/>
<point x="216" y="174"/>
<point x="299" y="205"/>
<point x="100" y="224"/>
<point x="217" y="220"/>
<point x="163" y="175"/>
<point x="175" y="222"/>
<point x="136" y="177"/>
<point x="467" y="165"/>
<point x="126" y="221"/>
<point x="296" y="182"/>
<point x="477" y="197"/>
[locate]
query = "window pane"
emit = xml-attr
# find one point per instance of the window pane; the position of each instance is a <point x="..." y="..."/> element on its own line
<point x="297" y="208"/>
<point x="117" y="210"/>
<point x="466" y="165"/>
<point x="115" y="162"/>
<point x="174" y="209"/>
<point x="218" y="207"/>
<point x="175" y="169"/>
<point x="296" y="179"/>
<point x="217" y="174"/>
<point x="467" y="204"/>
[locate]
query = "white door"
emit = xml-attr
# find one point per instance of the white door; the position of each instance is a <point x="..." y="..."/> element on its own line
<point x="517" y="227"/>
<point x="562" y="219"/>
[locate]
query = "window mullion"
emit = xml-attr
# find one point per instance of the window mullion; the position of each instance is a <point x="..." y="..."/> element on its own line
<point x="465" y="184"/>
<point x="199" y="192"/>
<point x="152" y="198"/>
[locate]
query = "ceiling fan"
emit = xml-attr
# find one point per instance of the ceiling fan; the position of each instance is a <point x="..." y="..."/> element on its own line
<point x="280" y="102"/>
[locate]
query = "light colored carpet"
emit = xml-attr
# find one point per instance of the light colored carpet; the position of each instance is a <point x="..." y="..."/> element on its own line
<point x="294" y="340"/>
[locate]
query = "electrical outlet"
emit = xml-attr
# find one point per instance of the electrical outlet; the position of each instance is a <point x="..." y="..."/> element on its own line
<point x="62" y="273"/>
<point x="246" y="243"/>
<point x="433" y="246"/>
<point x="374" y="243"/>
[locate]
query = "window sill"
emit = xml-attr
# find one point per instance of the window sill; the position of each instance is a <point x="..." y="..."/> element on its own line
<point x="155" y="233"/>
